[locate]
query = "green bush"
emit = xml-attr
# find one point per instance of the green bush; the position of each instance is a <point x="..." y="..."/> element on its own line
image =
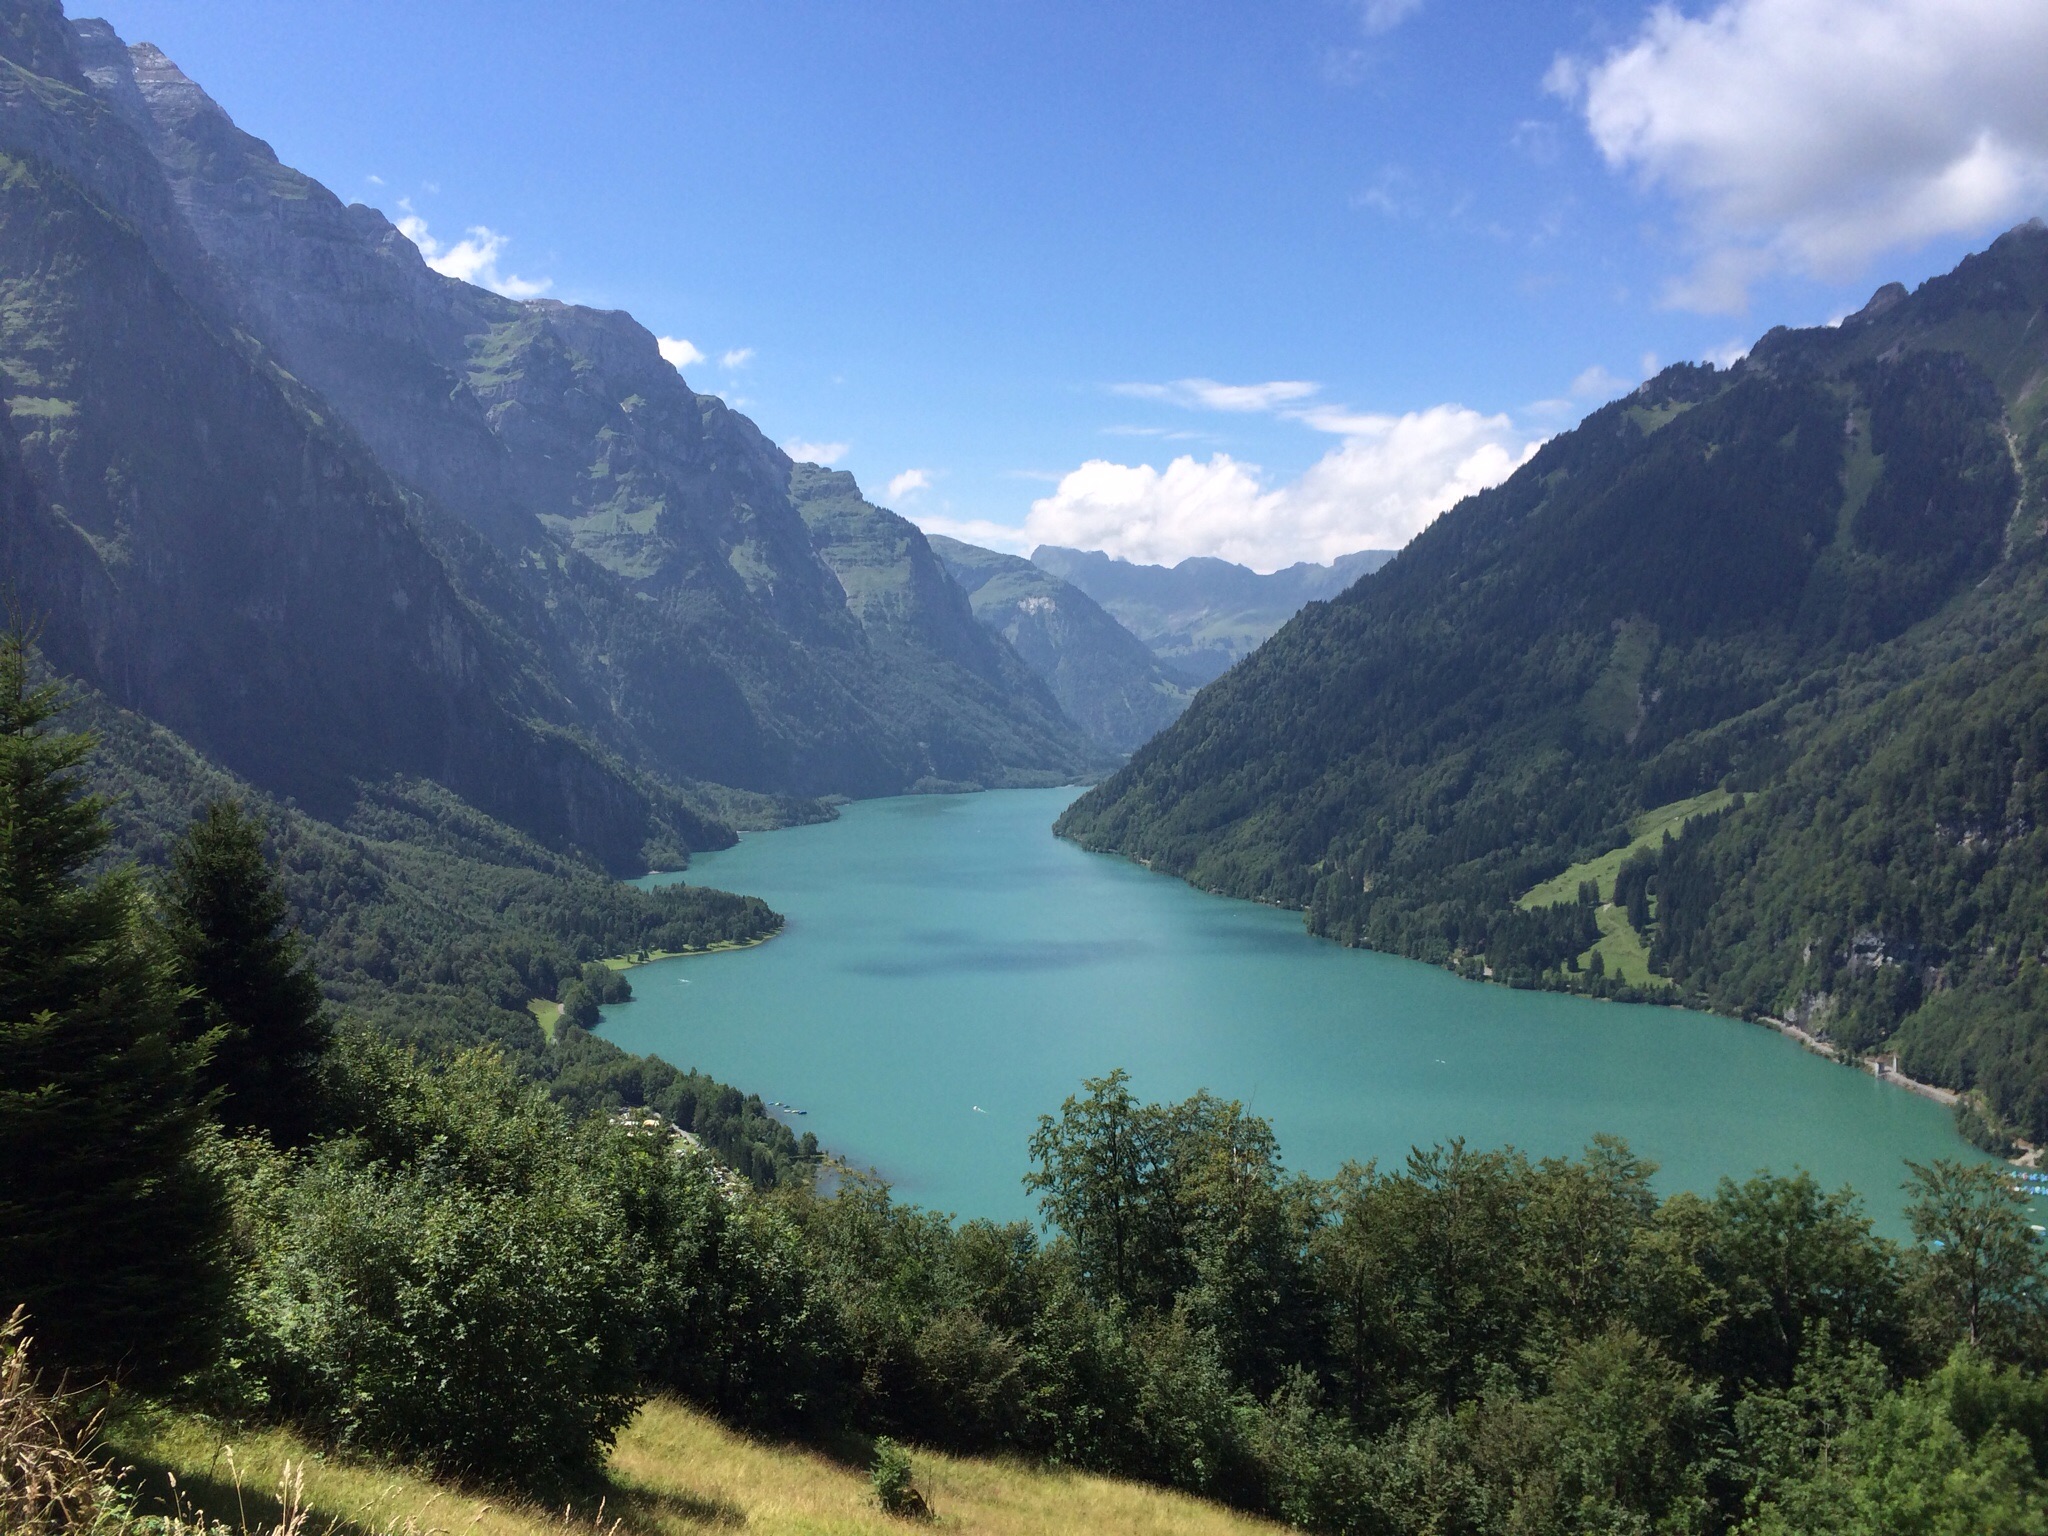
<point x="452" y="1283"/>
<point x="895" y="1490"/>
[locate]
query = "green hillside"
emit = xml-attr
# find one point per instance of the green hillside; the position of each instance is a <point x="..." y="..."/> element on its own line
<point x="1816" y="578"/>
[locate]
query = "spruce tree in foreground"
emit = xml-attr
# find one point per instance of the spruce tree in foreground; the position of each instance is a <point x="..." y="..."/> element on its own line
<point x="250" y="989"/>
<point x="110" y="1232"/>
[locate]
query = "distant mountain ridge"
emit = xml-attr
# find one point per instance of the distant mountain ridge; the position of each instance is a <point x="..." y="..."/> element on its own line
<point x="1816" y="580"/>
<point x="1104" y="677"/>
<point x="1203" y="615"/>
<point x="332" y="515"/>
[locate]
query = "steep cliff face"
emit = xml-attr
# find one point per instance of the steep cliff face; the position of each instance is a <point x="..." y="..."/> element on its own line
<point x="648" y="550"/>
<point x="1104" y="677"/>
<point x="978" y="713"/>
<point x="203" y="546"/>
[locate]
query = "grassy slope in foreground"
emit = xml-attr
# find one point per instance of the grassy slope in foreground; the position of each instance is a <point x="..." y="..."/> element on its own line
<point x="676" y="1470"/>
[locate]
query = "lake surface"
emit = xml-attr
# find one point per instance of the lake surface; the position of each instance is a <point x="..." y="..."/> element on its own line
<point x="951" y="971"/>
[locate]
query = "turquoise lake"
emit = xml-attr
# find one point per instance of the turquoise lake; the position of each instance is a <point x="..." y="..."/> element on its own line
<point x="951" y="971"/>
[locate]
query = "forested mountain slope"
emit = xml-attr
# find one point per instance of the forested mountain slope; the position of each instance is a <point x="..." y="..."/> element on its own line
<point x="334" y="516"/>
<point x="1104" y="677"/>
<point x="1816" y="578"/>
<point x="1202" y="615"/>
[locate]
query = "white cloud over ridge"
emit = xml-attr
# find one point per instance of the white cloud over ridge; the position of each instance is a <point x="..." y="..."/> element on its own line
<point x="1389" y="477"/>
<point x="678" y="353"/>
<point x="909" y="483"/>
<point x="1813" y="135"/>
<point x="472" y="259"/>
<point x="825" y="454"/>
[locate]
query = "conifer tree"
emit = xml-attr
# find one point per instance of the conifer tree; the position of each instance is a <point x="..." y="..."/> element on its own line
<point x="249" y="986"/>
<point x="110" y="1230"/>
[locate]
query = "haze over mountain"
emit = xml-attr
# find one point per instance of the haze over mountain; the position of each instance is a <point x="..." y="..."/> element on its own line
<point x="1816" y="578"/>
<point x="272" y="481"/>
<point x="1202" y="615"/>
<point x="1104" y="677"/>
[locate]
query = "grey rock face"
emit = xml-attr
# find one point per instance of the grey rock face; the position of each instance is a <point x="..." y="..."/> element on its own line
<point x="1103" y="676"/>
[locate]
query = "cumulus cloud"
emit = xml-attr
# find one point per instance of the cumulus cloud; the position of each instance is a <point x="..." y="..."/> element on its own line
<point x="1376" y="489"/>
<point x="472" y="259"/>
<point x="804" y="452"/>
<point x="1814" y="135"/>
<point x="738" y="357"/>
<point x="1208" y="395"/>
<point x="909" y="483"/>
<point x="678" y="353"/>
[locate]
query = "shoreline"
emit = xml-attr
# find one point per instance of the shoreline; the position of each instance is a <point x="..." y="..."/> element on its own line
<point x="547" y="1013"/>
<point x="649" y="956"/>
<point x="1876" y="1064"/>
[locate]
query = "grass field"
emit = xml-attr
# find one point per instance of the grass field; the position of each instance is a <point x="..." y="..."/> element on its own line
<point x="675" y="1472"/>
<point x="1621" y="948"/>
<point x="1647" y="832"/>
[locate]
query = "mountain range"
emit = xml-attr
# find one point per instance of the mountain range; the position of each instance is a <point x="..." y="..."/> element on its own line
<point x="1203" y="615"/>
<point x="1756" y="654"/>
<point x="273" y="482"/>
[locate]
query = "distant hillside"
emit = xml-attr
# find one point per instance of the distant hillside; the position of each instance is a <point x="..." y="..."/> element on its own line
<point x="1104" y="677"/>
<point x="1817" y="578"/>
<point x="272" y="481"/>
<point x="1201" y="616"/>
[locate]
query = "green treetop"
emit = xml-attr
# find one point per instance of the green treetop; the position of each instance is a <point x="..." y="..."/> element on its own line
<point x="226" y="920"/>
<point x="109" y="1230"/>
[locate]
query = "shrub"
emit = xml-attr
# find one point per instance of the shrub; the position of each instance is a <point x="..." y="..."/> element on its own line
<point x="895" y="1489"/>
<point x="469" y="1301"/>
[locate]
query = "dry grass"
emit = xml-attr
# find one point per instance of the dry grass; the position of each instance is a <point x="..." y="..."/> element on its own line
<point x="676" y="1473"/>
<point x="46" y="1483"/>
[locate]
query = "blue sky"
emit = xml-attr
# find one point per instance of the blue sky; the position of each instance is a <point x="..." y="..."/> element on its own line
<point x="1268" y="279"/>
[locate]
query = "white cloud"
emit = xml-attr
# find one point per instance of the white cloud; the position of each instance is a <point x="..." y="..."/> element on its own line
<point x="1385" y="15"/>
<point x="1208" y="395"/>
<point x="1814" y="135"/>
<point x="1728" y="354"/>
<point x="472" y="259"/>
<point x="909" y="482"/>
<point x="826" y="454"/>
<point x="678" y="353"/>
<point x="738" y="357"/>
<point x="1388" y="478"/>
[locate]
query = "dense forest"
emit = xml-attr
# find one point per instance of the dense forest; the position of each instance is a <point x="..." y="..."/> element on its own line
<point x="437" y="927"/>
<point x="1812" y="583"/>
<point x="212" y="1191"/>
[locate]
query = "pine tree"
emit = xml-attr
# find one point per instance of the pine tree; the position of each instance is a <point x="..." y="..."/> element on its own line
<point x="110" y="1230"/>
<point x="249" y="986"/>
